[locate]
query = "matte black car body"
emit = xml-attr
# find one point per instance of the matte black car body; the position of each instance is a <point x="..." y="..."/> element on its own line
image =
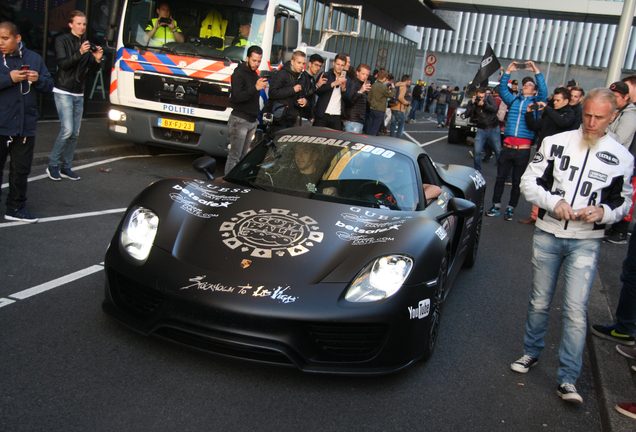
<point x="262" y="275"/>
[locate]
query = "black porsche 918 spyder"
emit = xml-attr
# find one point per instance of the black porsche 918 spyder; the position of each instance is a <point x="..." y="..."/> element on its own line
<point x="318" y="250"/>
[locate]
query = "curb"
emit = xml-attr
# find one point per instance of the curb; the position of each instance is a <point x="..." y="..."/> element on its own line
<point x="612" y="377"/>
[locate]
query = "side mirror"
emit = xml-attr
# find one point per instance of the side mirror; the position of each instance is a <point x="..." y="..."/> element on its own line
<point x="458" y="207"/>
<point x="205" y="165"/>
<point x="290" y="33"/>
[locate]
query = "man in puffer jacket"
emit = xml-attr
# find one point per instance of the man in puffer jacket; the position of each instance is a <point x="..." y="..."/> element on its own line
<point x="515" y="152"/>
<point x="22" y="73"/>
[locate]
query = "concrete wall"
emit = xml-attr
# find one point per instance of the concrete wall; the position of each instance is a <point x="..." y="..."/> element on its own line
<point x="459" y="69"/>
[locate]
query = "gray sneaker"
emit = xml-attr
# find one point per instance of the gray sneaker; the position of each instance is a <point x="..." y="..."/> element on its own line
<point x="630" y="353"/>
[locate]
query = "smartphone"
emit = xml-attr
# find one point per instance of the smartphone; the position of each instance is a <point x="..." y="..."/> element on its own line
<point x="265" y="74"/>
<point x="164" y="20"/>
<point x="343" y="74"/>
<point x="25" y="67"/>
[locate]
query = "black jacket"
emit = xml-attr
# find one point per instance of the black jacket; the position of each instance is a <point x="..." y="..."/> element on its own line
<point x="356" y="106"/>
<point x="281" y="87"/>
<point x="551" y="122"/>
<point x="309" y="92"/>
<point x="578" y="115"/>
<point x="324" y="95"/>
<point x="485" y="116"/>
<point x="72" y="66"/>
<point x="244" y="98"/>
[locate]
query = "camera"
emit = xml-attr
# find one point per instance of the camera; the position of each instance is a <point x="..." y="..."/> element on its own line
<point x="164" y="20"/>
<point x="268" y="118"/>
<point x="534" y="106"/>
<point x="93" y="48"/>
<point x="477" y="99"/>
<point x="572" y="83"/>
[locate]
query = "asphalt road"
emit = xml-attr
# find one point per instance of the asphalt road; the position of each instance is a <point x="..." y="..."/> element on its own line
<point x="64" y="365"/>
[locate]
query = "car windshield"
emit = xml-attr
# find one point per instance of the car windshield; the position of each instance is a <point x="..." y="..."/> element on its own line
<point x="208" y="29"/>
<point x="331" y="170"/>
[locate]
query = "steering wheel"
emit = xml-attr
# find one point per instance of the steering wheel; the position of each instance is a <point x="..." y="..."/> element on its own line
<point x="376" y="193"/>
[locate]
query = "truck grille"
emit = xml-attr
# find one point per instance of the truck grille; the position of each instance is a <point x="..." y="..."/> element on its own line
<point x="184" y="91"/>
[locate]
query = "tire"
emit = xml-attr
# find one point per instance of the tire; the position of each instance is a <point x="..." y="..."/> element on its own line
<point x="436" y="310"/>
<point x="455" y="136"/>
<point x="145" y="149"/>
<point x="471" y="256"/>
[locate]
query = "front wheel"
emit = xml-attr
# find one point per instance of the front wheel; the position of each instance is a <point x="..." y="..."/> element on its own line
<point x="436" y="310"/>
<point x="145" y="149"/>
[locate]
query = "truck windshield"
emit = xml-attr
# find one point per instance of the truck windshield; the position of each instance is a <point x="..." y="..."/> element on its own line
<point x="201" y="28"/>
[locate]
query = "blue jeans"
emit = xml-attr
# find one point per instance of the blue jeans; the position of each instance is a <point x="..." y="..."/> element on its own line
<point x="441" y="114"/>
<point x="397" y="124"/>
<point x="490" y="136"/>
<point x="626" y="309"/>
<point x="376" y="119"/>
<point x="350" y="126"/>
<point x="414" y="107"/>
<point x="69" y="110"/>
<point x="579" y="256"/>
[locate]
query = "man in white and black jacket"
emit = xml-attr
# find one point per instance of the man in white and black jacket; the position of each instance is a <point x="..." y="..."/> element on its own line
<point x="580" y="180"/>
<point x="245" y="104"/>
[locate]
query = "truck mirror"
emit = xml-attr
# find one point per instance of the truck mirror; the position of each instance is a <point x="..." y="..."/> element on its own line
<point x="290" y="34"/>
<point x="113" y="9"/>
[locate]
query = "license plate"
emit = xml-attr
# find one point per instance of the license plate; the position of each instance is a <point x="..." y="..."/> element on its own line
<point x="176" y="124"/>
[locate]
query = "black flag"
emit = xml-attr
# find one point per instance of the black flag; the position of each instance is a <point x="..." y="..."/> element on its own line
<point x="489" y="65"/>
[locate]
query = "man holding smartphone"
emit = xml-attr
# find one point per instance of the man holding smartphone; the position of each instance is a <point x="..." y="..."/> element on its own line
<point x="24" y="73"/>
<point x="357" y="107"/>
<point x="333" y="96"/>
<point x="245" y="104"/>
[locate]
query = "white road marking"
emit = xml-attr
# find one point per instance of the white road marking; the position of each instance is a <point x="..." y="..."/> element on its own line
<point x="5" y="301"/>
<point x="66" y="217"/>
<point x="412" y="139"/>
<point x="431" y="142"/>
<point x="55" y="283"/>
<point x="101" y="162"/>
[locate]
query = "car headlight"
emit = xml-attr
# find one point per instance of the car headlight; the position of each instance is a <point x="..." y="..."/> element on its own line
<point x="139" y="232"/>
<point x="380" y="279"/>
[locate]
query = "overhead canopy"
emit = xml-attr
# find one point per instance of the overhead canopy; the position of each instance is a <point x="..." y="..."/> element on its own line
<point x="389" y="14"/>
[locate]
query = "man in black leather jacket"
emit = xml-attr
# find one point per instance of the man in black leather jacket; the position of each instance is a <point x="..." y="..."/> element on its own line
<point x="75" y="57"/>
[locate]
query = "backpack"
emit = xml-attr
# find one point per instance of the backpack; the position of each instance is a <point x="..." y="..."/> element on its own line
<point x="442" y="98"/>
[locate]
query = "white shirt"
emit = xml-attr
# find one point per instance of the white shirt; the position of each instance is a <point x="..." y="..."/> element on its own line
<point x="335" y="107"/>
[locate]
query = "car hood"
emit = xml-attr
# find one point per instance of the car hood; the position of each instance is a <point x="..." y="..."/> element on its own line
<point x="223" y="228"/>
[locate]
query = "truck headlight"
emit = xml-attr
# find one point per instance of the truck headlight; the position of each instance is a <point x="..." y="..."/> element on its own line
<point x="116" y="115"/>
<point x="138" y="232"/>
<point x="380" y="279"/>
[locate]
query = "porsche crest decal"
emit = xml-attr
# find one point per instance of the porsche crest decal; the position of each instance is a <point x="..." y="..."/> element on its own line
<point x="268" y="233"/>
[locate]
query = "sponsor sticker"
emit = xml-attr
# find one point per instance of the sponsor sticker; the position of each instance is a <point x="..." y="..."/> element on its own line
<point x="441" y="233"/>
<point x="478" y="180"/>
<point x="538" y="157"/>
<point x="597" y="176"/>
<point x="421" y="310"/>
<point x="607" y="157"/>
<point x="269" y="233"/>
